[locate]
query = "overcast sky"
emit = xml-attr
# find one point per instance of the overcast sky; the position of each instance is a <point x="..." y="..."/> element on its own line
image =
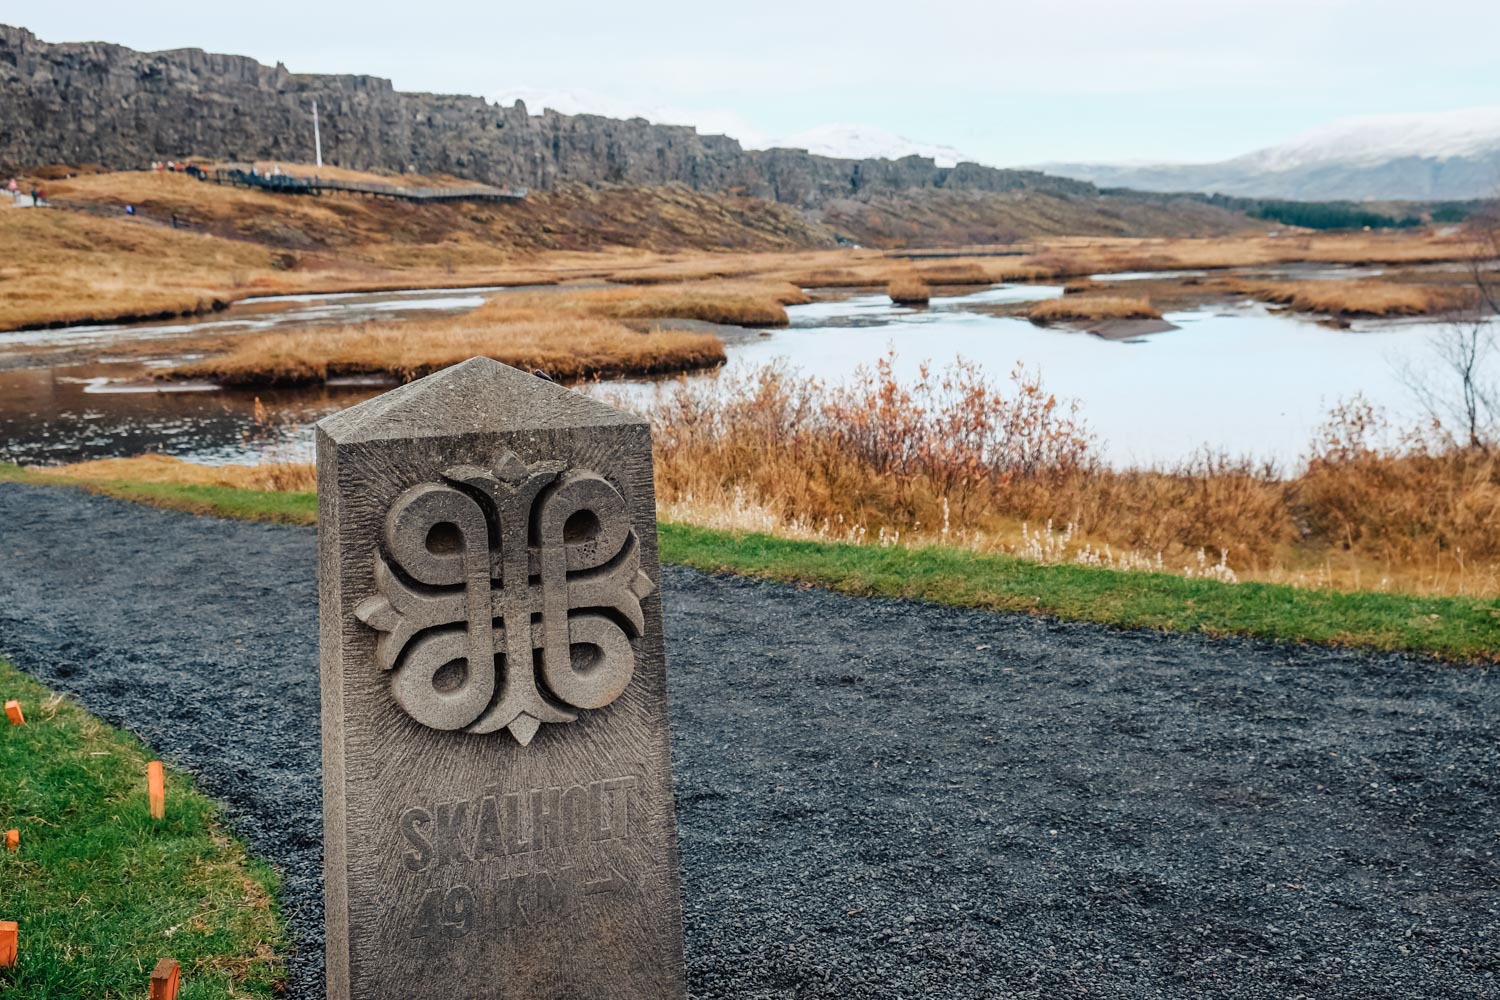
<point x="1006" y="82"/>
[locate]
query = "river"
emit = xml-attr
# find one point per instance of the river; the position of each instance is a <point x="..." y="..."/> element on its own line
<point x="1237" y="376"/>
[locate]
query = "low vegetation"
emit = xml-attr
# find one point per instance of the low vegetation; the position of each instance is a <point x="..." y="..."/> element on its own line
<point x="950" y="459"/>
<point x="565" y="349"/>
<point x="1330" y="215"/>
<point x="273" y="475"/>
<point x="63" y="268"/>
<point x="101" y="890"/>
<point x="84" y="260"/>
<point x="1091" y="307"/>
<point x="172" y="484"/>
<point x="1454" y="627"/>
<point x="909" y="291"/>
<point x="1355" y="298"/>
<point x="570" y="334"/>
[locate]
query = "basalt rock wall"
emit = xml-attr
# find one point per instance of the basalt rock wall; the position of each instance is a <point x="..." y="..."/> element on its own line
<point x="92" y="102"/>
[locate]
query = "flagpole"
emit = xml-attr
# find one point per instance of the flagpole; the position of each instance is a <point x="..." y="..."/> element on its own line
<point x="317" y="136"/>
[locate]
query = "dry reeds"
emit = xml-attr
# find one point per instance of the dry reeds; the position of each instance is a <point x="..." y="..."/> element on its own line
<point x="1091" y="307"/>
<point x="569" y="333"/>
<point x="1354" y="298"/>
<point x="909" y="291"/>
<point x="958" y="273"/>
<point x="952" y="459"/>
<point x="565" y="349"/>
<point x="296" y="476"/>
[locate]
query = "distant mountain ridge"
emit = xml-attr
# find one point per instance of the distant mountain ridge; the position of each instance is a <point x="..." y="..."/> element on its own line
<point x="1452" y="155"/>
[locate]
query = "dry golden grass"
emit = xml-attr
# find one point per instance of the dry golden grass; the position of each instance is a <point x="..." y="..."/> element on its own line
<point x="952" y="460"/>
<point x="301" y="477"/>
<point x="89" y="262"/>
<point x="909" y="291"/>
<point x="1056" y="259"/>
<point x="1091" y="307"/>
<point x="566" y="349"/>
<point x="1074" y="256"/>
<point x="739" y="303"/>
<point x="60" y="267"/>
<point x="1355" y="298"/>
<point x="570" y="333"/>
<point x="957" y="273"/>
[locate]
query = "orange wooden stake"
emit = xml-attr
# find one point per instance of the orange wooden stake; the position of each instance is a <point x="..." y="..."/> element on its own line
<point x="9" y="935"/>
<point x="12" y="840"/>
<point x="13" y="712"/>
<point x="164" y="980"/>
<point x="156" y="789"/>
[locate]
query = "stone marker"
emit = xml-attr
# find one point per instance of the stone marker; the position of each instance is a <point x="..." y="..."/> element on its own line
<point x="497" y="786"/>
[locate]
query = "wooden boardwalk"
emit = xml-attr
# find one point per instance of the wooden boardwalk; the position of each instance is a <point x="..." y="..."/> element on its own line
<point x="288" y="184"/>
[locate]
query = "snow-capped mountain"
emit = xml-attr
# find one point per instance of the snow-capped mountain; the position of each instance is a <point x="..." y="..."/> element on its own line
<point x="1451" y="154"/>
<point x="853" y="142"/>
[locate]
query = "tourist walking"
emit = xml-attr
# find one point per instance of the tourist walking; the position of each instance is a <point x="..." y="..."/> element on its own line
<point x="14" y="187"/>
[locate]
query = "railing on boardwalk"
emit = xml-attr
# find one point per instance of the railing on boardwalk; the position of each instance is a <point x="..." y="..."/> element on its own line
<point x="288" y="184"/>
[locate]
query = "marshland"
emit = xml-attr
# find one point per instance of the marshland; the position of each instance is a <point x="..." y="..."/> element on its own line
<point x="1266" y="404"/>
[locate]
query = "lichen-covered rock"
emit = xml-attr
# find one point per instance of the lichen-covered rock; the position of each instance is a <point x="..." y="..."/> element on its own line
<point x="92" y="102"/>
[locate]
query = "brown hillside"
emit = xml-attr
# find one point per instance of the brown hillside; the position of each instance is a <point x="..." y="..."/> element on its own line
<point x="573" y="217"/>
<point x="972" y="218"/>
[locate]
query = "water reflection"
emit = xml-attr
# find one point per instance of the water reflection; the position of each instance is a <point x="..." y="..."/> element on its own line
<point x="47" y="418"/>
<point x="1234" y="376"/>
<point x="256" y="315"/>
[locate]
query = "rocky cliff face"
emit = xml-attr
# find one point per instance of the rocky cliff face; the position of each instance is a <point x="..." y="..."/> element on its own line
<point x="93" y="102"/>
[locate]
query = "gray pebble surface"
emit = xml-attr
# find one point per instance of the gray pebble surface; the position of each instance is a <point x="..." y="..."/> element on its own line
<point x="878" y="799"/>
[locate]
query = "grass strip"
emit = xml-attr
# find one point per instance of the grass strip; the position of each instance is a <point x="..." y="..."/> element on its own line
<point x="100" y="890"/>
<point x="1453" y="628"/>
<point x="219" y="501"/>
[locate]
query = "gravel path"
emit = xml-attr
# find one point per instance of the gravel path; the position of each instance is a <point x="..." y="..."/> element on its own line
<point x="880" y="799"/>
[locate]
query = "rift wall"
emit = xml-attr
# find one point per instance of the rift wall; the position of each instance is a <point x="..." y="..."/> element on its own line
<point x="92" y="102"/>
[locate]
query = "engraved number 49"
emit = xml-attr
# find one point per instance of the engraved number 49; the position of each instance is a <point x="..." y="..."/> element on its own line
<point x="450" y="914"/>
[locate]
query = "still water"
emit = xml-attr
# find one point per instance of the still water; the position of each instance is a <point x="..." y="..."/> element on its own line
<point x="1236" y="377"/>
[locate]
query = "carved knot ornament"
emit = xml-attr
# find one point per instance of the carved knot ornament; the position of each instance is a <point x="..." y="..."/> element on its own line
<point x="507" y="598"/>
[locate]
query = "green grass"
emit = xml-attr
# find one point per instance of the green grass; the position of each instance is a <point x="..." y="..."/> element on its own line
<point x="100" y="890"/>
<point x="220" y="501"/>
<point x="1450" y="627"/>
<point x="1454" y="628"/>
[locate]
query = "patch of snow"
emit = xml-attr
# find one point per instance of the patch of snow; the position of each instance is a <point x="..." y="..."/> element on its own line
<point x="1378" y="138"/>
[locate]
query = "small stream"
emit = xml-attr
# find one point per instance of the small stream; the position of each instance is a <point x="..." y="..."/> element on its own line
<point x="1238" y="376"/>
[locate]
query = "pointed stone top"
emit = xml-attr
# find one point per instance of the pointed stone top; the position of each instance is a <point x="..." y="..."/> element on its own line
<point x="477" y="396"/>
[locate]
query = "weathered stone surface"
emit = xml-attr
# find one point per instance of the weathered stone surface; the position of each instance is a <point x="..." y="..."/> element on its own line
<point x="494" y="831"/>
<point x="91" y="102"/>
